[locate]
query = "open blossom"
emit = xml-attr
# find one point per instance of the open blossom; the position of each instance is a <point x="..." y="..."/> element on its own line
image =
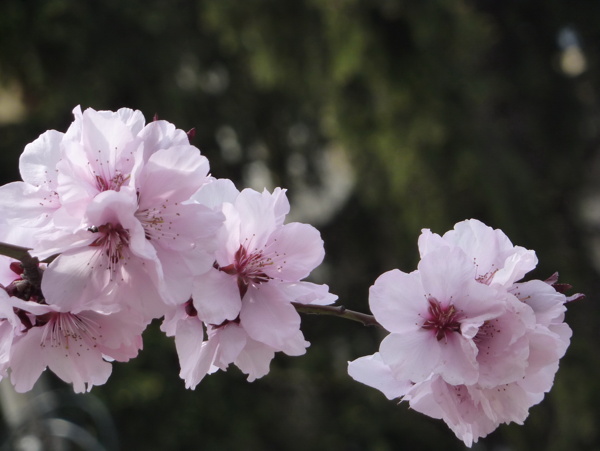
<point x="475" y="372"/>
<point x="434" y="315"/>
<point x="76" y="345"/>
<point x="112" y="196"/>
<point x="244" y="302"/>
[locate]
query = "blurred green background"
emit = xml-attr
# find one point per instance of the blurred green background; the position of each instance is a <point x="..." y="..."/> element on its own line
<point x="381" y="117"/>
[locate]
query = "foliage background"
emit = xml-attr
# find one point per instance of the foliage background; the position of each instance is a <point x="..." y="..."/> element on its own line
<point x="382" y="117"/>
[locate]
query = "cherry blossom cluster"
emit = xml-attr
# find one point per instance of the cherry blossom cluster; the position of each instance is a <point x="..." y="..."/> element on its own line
<point x="121" y="224"/>
<point x="130" y="227"/>
<point x="469" y="343"/>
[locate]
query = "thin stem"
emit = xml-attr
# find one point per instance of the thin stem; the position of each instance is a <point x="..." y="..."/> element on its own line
<point x="31" y="270"/>
<point x="16" y="252"/>
<point x="337" y="310"/>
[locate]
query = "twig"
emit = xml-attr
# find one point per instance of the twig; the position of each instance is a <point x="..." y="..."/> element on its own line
<point x="31" y="270"/>
<point x="337" y="310"/>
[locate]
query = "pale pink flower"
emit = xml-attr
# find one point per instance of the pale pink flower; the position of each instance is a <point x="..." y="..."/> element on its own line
<point x="99" y="151"/>
<point x="102" y="267"/>
<point x="258" y="261"/>
<point x="516" y="349"/>
<point x="434" y="316"/>
<point x="229" y="342"/>
<point x="73" y="345"/>
<point x="113" y="197"/>
<point x="245" y="301"/>
<point x="469" y="411"/>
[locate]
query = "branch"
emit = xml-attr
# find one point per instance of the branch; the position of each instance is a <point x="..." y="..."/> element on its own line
<point x="31" y="271"/>
<point x="16" y="252"/>
<point x="337" y="310"/>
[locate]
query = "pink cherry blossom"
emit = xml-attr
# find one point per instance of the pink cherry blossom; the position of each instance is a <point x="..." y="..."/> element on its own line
<point x="73" y="345"/>
<point x="245" y="301"/>
<point x="113" y="197"/>
<point x="514" y="352"/>
<point x="258" y="257"/>
<point x="435" y="315"/>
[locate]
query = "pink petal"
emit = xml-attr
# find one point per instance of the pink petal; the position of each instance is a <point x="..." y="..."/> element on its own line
<point x="398" y="301"/>
<point x="171" y="175"/>
<point x="254" y="360"/>
<point x="295" y="250"/>
<point x="547" y="304"/>
<point x="216" y="192"/>
<point x="458" y="360"/>
<point x="38" y="161"/>
<point x="260" y="214"/>
<point x="232" y="340"/>
<point x="268" y="318"/>
<point x="429" y="242"/>
<point x="75" y="279"/>
<point x="195" y="356"/>
<point x="216" y="297"/>
<point x="27" y="205"/>
<point x="27" y="362"/>
<point x="307" y="293"/>
<point x="372" y="371"/>
<point x="82" y="366"/>
<point x="411" y="356"/>
<point x="445" y="273"/>
<point x="161" y="135"/>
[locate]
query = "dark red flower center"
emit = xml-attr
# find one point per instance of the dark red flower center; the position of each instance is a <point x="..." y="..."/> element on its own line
<point x="442" y="320"/>
<point x="248" y="267"/>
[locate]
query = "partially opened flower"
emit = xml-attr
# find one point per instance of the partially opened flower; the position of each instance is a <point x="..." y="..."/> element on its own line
<point x="435" y="316"/>
<point x="256" y="259"/>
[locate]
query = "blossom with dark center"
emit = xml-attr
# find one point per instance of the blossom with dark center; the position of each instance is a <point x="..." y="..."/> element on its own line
<point x="248" y="268"/>
<point x="467" y="344"/>
<point x="245" y="300"/>
<point x="73" y="345"/>
<point x="121" y="213"/>
<point x="433" y="315"/>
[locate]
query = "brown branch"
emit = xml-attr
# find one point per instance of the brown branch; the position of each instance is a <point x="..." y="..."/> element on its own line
<point x="337" y="310"/>
<point x="31" y="270"/>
